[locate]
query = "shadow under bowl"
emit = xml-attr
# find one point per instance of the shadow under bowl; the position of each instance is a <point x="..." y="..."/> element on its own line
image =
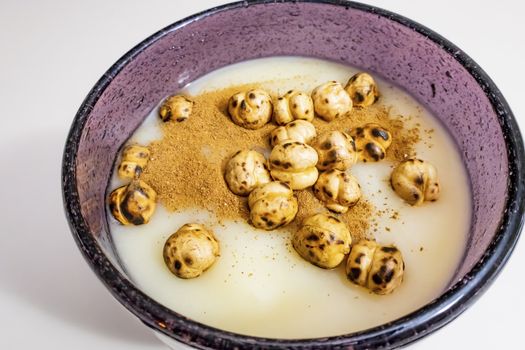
<point x="433" y="70"/>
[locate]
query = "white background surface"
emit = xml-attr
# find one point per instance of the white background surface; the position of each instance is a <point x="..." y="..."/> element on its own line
<point x="52" y="53"/>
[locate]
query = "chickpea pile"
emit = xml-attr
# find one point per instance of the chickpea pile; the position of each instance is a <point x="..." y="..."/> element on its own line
<point x="299" y="159"/>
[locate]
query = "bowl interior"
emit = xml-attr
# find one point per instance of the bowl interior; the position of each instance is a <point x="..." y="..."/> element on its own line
<point x="174" y="57"/>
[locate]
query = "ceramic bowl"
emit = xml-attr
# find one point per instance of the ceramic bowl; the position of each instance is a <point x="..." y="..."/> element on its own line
<point x="429" y="67"/>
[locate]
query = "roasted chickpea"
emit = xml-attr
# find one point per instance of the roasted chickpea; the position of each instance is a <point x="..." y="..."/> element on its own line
<point x="294" y="163"/>
<point x="362" y="90"/>
<point x="294" y="105"/>
<point x="322" y="240"/>
<point x="378" y="268"/>
<point x="338" y="190"/>
<point x="331" y="101"/>
<point x="133" y="203"/>
<point x="190" y="251"/>
<point x="134" y="160"/>
<point x="415" y="181"/>
<point x="371" y="142"/>
<point x="336" y="150"/>
<point x="245" y="171"/>
<point x="298" y="130"/>
<point x="272" y="205"/>
<point x="114" y="200"/>
<point x="251" y="109"/>
<point x="175" y="107"/>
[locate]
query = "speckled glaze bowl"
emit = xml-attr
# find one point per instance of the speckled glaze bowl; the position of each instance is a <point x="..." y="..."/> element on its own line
<point x="413" y="57"/>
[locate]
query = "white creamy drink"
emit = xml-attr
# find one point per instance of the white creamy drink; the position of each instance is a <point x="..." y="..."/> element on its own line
<point x="259" y="285"/>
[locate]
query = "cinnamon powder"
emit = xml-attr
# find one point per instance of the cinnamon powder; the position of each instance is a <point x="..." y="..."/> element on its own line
<point x="186" y="167"/>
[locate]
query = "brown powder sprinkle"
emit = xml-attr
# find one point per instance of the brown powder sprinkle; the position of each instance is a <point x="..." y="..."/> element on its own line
<point x="186" y="167"/>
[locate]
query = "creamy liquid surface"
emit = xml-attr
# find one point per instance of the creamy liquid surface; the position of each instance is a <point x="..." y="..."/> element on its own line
<point x="260" y="286"/>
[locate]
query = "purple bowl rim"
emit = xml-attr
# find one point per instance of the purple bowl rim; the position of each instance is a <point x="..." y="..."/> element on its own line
<point x="391" y="335"/>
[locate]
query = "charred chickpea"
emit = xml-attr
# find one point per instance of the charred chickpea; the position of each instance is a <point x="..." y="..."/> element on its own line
<point x="376" y="267"/>
<point x="176" y="108"/>
<point x="294" y="105"/>
<point x="190" y="251"/>
<point x="415" y="181"/>
<point x="336" y="150"/>
<point x="133" y="204"/>
<point x="272" y="205"/>
<point x="338" y="190"/>
<point x="245" y="171"/>
<point x="134" y="160"/>
<point x="323" y="240"/>
<point x="331" y="101"/>
<point x="294" y="163"/>
<point x="250" y="109"/>
<point x="298" y="130"/>
<point x="362" y="90"/>
<point x="372" y="142"/>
